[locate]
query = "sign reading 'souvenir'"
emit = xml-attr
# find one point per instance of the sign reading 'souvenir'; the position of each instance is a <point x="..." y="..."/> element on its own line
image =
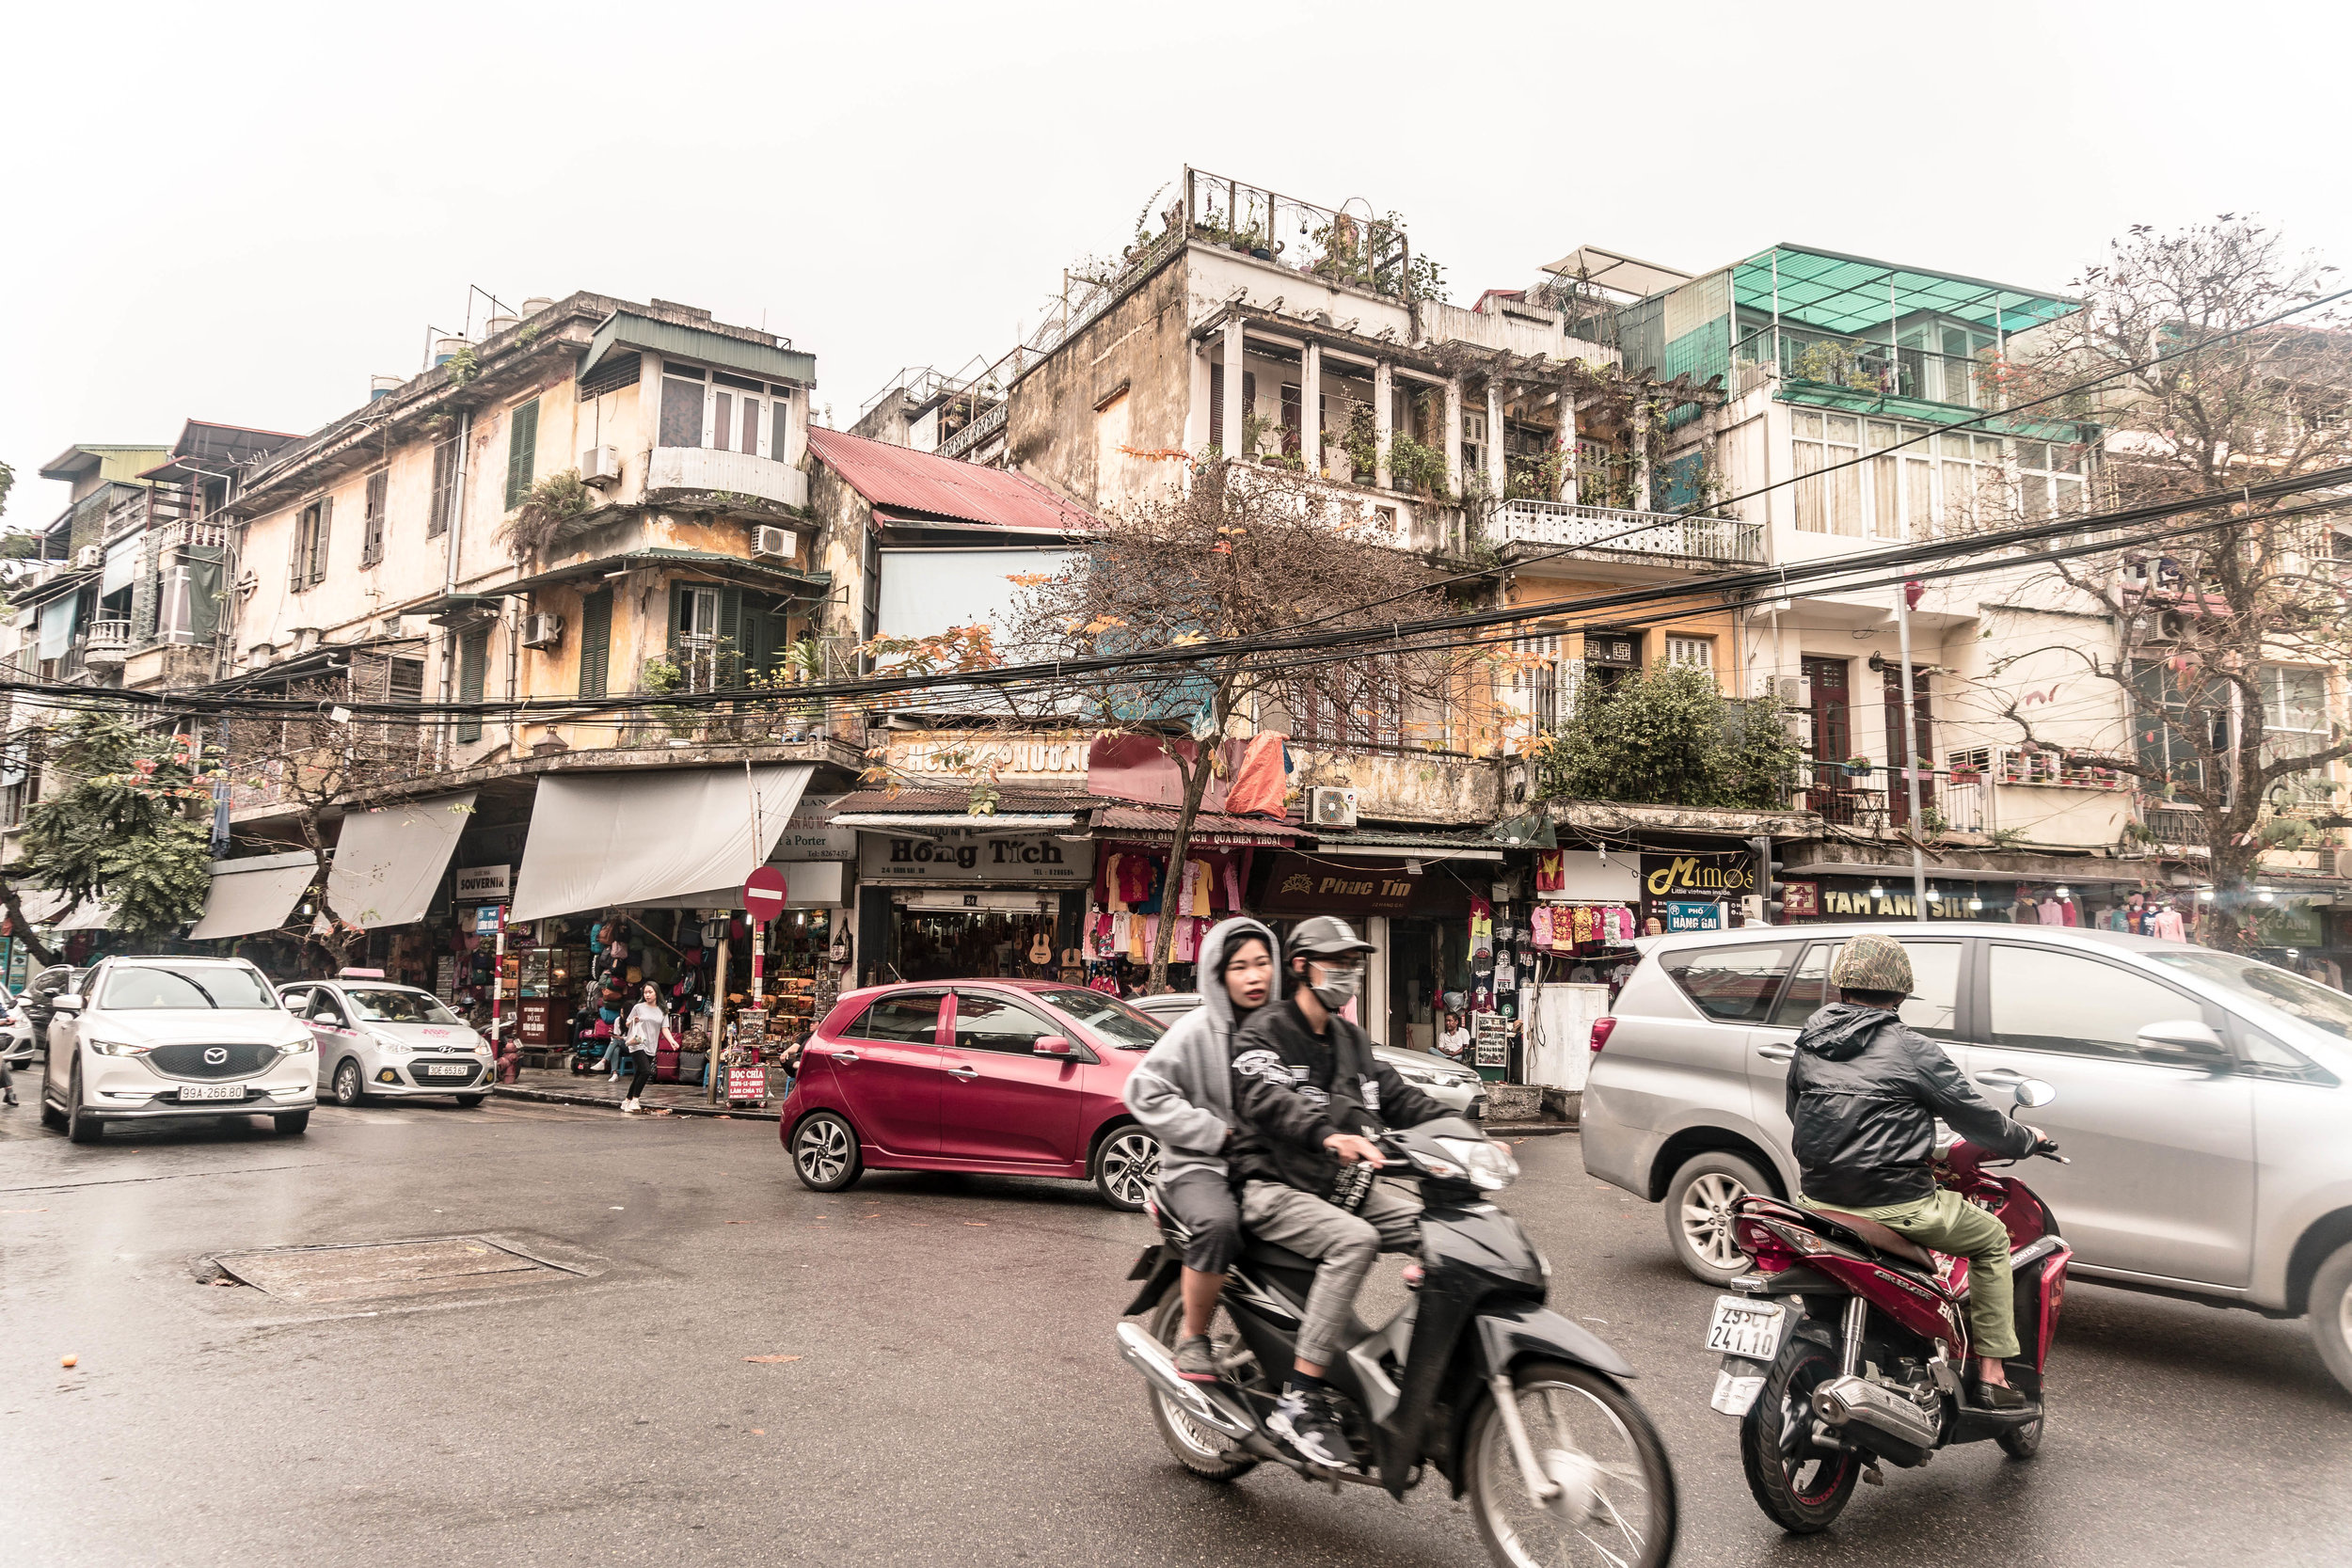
<point x="1013" y="860"/>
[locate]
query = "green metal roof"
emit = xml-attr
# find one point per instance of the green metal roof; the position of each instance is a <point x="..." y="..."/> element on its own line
<point x="1854" y="295"/>
<point x="623" y="330"/>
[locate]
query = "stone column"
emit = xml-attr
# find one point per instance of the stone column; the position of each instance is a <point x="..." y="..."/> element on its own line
<point x="1454" y="434"/>
<point x="1311" y="408"/>
<point x="1495" y="468"/>
<point x="1383" y="421"/>
<point x="1236" y="377"/>
<point x="1567" y="443"/>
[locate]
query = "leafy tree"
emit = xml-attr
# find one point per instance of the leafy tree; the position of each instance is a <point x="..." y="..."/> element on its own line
<point x="129" y="828"/>
<point x="2225" y="640"/>
<point x="1669" y="737"/>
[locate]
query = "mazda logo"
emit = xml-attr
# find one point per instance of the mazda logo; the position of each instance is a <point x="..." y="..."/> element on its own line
<point x="215" y="1055"/>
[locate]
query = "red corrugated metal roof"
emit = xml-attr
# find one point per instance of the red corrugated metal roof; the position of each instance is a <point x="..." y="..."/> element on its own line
<point x="913" y="480"/>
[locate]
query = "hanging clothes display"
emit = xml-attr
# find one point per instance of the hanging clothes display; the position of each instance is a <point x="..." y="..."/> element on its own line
<point x="1551" y="873"/>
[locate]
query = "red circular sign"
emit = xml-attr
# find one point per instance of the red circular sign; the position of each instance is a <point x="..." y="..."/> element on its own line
<point x="764" y="892"/>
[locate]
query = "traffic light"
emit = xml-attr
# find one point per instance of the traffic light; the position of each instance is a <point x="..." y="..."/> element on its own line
<point x="1768" y="886"/>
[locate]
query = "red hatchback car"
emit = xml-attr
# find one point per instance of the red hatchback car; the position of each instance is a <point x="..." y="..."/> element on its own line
<point x="1008" y="1077"/>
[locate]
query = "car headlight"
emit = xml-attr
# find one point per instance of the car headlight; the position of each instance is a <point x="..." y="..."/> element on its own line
<point x="296" y="1048"/>
<point x="388" y="1043"/>
<point x="1486" y="1163"/>
<point x="1415" y="1076"/>
<point x="120" y="1048"/>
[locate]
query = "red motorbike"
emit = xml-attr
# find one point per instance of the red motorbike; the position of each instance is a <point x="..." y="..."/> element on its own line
<point x="1850" y="1344"/>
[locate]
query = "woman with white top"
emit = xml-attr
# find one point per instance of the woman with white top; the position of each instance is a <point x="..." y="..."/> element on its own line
<point x="645" y="1027"/>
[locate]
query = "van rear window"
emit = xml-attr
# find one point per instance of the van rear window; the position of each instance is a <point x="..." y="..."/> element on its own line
<point x="1732" y="985"/>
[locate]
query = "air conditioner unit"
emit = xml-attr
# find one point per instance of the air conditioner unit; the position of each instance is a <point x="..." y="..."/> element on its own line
<point x="543" y="631"/>
<point x="1328" y="806"/>
<point x="779" y="543"/>
<point x="600" y="467"/>
<point x="1789" y="691"/>
<point x="88" y="556"/>
<point x="2343" y="863"/>
<point x="2163" y="631"/>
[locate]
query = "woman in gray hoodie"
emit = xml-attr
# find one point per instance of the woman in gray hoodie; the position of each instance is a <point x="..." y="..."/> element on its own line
<point x="1182" y="1094"/>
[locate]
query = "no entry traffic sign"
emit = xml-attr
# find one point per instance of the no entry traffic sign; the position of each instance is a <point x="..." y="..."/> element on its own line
<point x="764" y="893"/>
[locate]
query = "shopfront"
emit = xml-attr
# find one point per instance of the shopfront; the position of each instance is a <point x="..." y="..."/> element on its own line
<point x="962" y="899"/>
<point x="1422" y="912"/>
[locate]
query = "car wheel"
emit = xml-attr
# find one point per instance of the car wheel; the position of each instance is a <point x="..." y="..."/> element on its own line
<point x="468" y="1100"/>
<point x="292" y="1124"/>
<point x="1126" y="1164"/>
<point x="347" y="1090"/>
<point x="824" y="1153"/>
<point x="80" y="1125"/>
<point x="1698" y="1213"/>
<point x="2331" y="1313"/>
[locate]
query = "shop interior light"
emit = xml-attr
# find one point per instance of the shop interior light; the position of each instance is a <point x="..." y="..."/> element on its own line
<point x="2063" y="893"/>
<point x="2263" y="893"/>
<point x="1974" y="905"/>
<point x="2204" y="896"/>
<point x="1877" y="889"/>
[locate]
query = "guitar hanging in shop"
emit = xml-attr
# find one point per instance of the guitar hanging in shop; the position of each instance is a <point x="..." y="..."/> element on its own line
<point x="1042" y="948"/>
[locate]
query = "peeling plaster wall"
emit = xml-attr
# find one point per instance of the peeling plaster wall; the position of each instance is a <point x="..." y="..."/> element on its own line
<point x="1054" y="429"/>
<point x="1404" y="788"/>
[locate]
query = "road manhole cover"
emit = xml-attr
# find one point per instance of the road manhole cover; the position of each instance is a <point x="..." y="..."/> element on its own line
<point x="370" y="1270"/>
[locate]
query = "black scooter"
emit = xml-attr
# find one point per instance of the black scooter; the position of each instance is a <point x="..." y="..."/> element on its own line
<point x="1515" y="1405"/>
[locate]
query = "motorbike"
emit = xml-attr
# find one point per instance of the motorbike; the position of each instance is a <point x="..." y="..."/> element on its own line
<point x="1848" y="1344"/>
<point x="1517" y="1407"/>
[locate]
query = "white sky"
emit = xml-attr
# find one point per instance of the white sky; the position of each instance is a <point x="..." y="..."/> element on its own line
<point x="239" y="212"/>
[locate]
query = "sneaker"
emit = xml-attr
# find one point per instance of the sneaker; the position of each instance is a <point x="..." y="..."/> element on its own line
<point x="1195" y="1359"/>
<point x="1302" y="1420"/>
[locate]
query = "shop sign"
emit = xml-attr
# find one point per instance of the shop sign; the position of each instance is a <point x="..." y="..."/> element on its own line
<point x="1700" y="875"/>
<point x="1490" y="1040"/>
<point x="1011" y="860"/>
<point x="1303" y="884"/>
<point x="1609" y="647"/>
<point x="475" y="885"/>
<point x="1688" y="915"/>
<point x="810" y="835"/>
<point x="976" y="754"/>
<point x="1850" y="898"/>
<point x="1800" y="900"/>
<point x="485" y="921"/>
<point x="747" y="1083"/>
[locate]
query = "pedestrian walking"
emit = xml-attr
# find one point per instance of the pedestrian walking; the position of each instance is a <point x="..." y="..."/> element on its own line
<point x="645" y="1028"/>
<point x="7" y="1084"/>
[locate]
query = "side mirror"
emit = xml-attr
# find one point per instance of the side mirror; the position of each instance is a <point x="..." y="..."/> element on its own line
<point x="1055" y="1045"/>
<point x="2188" y="1042"/>
<point x="2031" y="1092"/>
<point x="67" y="1002"/>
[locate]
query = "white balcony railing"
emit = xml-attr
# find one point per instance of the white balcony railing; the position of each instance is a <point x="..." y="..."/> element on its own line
<point x="702" y="471"/>
<point x="107" y="644"/>
<point x="1716" y="541"/>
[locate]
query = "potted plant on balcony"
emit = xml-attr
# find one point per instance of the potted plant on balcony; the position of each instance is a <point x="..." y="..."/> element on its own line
<point x="1966" y="772"/>
<point x="1858" y="768"/>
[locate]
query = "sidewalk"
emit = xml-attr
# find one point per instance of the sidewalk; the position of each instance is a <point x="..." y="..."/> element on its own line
<point x="559" y="1087"/>
<point x="562" y="1086"/>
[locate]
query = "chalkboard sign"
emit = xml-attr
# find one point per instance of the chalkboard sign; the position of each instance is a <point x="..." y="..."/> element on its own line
<point x="1490" y="1038"/>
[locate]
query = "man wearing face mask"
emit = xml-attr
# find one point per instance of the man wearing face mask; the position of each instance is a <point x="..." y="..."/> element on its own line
<point x="1308" y="1094"/>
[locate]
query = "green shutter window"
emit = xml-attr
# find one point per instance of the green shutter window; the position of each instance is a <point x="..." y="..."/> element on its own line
<point x="595" y="642"/>
<point x="522" y="452"/>
<point x="318" y="540"/>
<point x="473" y="662"/>
<point x="730" y="661"/>
<point x="298" y="558"/>
<point x="372" y="540"/>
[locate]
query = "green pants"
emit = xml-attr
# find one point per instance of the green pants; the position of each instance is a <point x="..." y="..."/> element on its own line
<point x="1946" y="1222"/>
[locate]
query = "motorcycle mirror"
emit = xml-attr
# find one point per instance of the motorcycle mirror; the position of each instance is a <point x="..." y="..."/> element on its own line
<point x="2033" y="1092"/>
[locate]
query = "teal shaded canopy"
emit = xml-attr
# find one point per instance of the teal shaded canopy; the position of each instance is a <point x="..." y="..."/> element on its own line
<point x="1849" y="294"/>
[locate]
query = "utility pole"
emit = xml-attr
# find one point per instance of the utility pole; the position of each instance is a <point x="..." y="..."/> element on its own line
<point x="1906" y="596"/>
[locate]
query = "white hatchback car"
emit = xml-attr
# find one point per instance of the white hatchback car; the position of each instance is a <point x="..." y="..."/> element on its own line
<point x="375" y="1037"/>
<point x="160" y="1040"/>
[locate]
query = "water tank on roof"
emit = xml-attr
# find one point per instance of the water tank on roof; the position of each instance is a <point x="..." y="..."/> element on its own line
<point x="497" y="325"/>
<point x="445" y="349"/>
<point x="535" y="304"/>
<point x="382" y="386"/>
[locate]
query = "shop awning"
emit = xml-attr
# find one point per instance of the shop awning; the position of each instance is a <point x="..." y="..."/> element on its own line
<point x="649" y="838"/>
<point x="90" y="915"/>
<point x="940" y="822"/>
<point x="253" y="896"/>
<point x="389" y="863"/>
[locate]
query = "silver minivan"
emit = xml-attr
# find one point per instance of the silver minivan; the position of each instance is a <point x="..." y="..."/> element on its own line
<point x="2202" y="1097"/>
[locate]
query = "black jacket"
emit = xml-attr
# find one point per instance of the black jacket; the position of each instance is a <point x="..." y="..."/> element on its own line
<point x="1292" y="1088"/>
<point x="1864" y="1093"/>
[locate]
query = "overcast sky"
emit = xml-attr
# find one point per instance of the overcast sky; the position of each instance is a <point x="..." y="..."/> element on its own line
<point x="238" y="212"/>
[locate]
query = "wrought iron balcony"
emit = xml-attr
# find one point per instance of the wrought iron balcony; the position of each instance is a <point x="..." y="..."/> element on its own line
<point x="1602" y="530"/>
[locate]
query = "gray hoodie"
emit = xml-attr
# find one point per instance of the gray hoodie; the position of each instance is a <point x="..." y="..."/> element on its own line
<point x="1182" y="1090"/>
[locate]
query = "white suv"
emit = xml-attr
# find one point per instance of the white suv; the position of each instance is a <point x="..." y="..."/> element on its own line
<point x="155" y="1039"/>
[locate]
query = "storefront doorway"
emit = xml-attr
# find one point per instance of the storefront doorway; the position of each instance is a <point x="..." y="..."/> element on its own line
<point x="938" y="937"/>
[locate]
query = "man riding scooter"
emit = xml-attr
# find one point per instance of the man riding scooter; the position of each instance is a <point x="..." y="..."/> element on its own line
<point x="1308" y="1094"/>
<point x="1182" y="1092"/>
<point x="1863" y="1092"/>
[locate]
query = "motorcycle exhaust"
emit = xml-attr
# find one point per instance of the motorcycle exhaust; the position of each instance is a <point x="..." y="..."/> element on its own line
<point x="1149" y="1357"/>
<point x="1877" y="1418"/>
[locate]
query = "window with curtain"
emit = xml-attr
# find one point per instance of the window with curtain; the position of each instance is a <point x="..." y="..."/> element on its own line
<point x="1830" y="502"/>
<point x="2295" y="723"/>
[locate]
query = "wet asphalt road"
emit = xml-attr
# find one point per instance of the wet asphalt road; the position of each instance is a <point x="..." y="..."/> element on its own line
<point x="955" y="1396"/>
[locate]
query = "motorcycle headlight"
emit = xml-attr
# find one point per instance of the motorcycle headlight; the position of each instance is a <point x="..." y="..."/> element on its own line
<point x="1486" y="1163"/>
<point x="120" y="1048"/>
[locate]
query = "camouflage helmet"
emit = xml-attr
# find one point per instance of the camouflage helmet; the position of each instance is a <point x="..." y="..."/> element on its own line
<point x="1872" y="962"/>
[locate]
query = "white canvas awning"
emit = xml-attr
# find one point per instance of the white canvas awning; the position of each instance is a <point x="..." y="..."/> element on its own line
<point x="649" y="838"/>
<point x="388" y="862"/>
<point x="253" y="896"/>
<point x="89" y="915"/>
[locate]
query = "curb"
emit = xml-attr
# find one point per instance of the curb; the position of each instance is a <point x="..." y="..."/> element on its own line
<point x="556" y="1097"/>
<point x="1526" y="1129"/>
